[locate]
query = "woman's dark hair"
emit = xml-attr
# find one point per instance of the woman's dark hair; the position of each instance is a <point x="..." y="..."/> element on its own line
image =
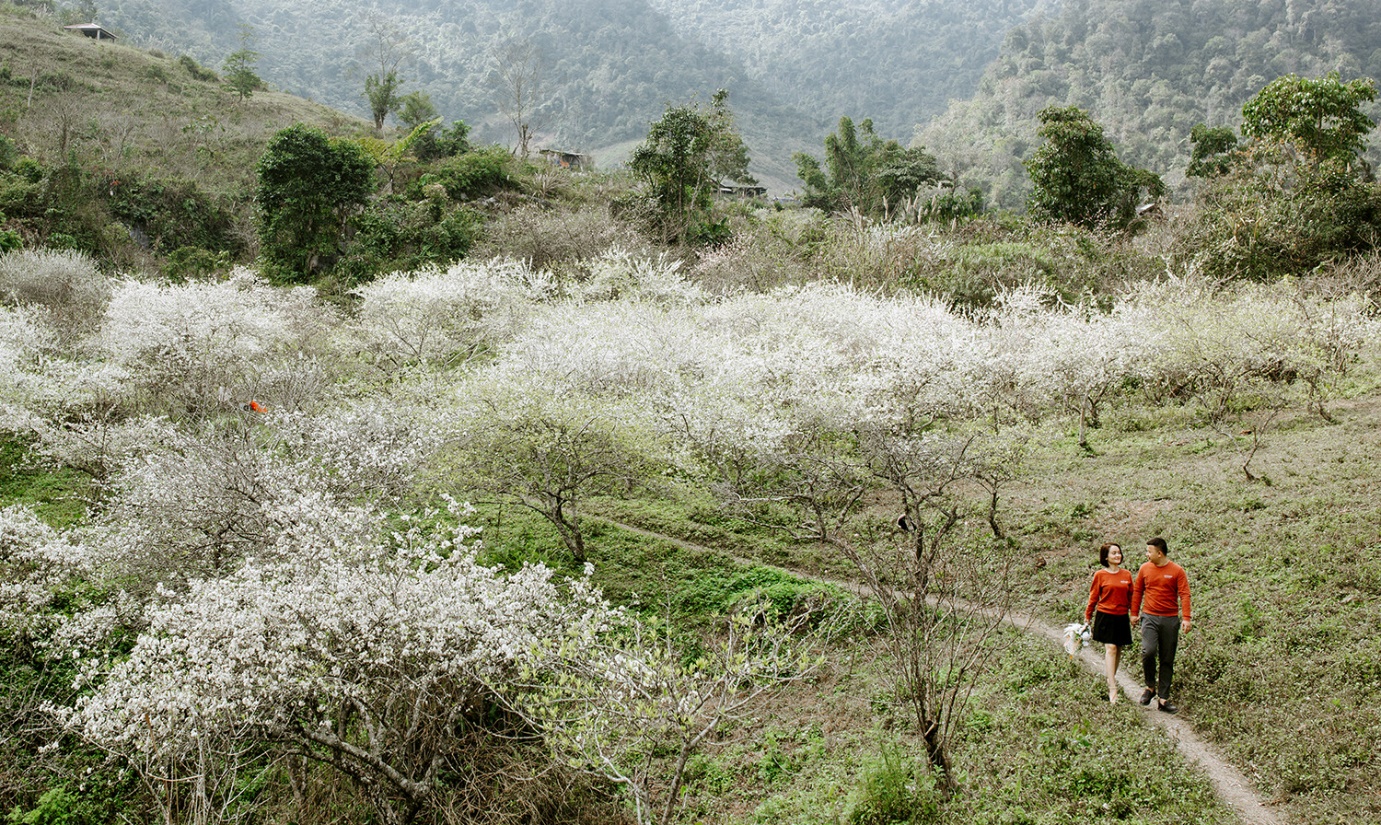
<point x="1159" y="544"/>
<point x="1103" y="552"/>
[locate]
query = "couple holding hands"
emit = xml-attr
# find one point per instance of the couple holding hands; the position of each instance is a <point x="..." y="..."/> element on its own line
<point x="1155" y="597"/>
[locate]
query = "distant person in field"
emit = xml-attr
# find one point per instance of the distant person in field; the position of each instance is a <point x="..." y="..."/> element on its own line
<point x="1109" y="600"/>
<point x="1164" y="588"/>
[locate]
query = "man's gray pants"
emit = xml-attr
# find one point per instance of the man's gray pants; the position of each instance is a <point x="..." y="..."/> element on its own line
<point x="1160" y="636"/>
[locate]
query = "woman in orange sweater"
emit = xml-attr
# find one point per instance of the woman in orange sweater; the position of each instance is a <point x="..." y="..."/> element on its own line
<point x="1109" y="602"/>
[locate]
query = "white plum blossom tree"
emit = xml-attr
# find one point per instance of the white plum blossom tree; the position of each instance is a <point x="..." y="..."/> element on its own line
<point x="371" y="659"/>
<point x="443" y="318"/>
<point x="635" y="707"/>
<point x="197" y="347"/>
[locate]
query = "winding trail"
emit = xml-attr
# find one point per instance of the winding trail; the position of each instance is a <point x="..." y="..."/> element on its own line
<point x="1230" y="784"/>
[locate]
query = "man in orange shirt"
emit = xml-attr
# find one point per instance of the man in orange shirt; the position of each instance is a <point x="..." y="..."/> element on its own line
<point x="1165" y="587"/>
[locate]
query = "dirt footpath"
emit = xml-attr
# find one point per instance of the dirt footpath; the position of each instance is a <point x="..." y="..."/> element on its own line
<point x="1232" y="786"/>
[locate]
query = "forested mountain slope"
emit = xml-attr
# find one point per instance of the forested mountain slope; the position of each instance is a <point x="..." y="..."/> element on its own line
<point x="1148" y="70"/>
<point x="899" y="62"/>
<point x="610" y="66"/>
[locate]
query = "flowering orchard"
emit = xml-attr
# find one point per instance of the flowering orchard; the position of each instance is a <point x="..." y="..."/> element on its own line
<point x="263" y="595"/>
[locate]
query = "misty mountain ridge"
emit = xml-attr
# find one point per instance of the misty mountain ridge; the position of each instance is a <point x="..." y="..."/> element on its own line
<point x="611" y="66"/>
<point x="964" y="79"/>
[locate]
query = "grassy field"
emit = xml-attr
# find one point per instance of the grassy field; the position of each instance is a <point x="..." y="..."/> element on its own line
<point x="1281" y="671"/>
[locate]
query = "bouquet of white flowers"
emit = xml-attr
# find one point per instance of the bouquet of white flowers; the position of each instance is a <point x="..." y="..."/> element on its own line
<point x="1076" y="636"/>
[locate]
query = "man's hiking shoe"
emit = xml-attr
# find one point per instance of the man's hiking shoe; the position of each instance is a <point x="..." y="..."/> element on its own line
<point x="1146" y="696"/>
<point x="1166" y="707"/>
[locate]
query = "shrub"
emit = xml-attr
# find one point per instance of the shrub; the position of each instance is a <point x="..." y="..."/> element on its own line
<point x="556" y="239"/>
<point x="472" y="175"/>
<point x="895" y="788"/>
<point x="761" y="256"/>
<point x="1260" y="224"/>
<point x="172" y="213"/>
<point x="391" y="237"/>
<point x="193" y="262"/>
<point x="65" y="283"/>
<point x="196" y="70"/>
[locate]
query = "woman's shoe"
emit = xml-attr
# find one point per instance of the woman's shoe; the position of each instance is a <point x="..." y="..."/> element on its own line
<point x="1112" y="696"/>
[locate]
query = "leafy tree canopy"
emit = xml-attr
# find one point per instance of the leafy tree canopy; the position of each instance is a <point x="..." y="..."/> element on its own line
<point x="686" y="155"/>
<point x="1212" y="150"/>
<point x="864" y="172"/>
<point x="1077" y="177"/>
<point x="239" y="66"/>
<point x="307" y="185"/>
<point x="1321" y="117"/>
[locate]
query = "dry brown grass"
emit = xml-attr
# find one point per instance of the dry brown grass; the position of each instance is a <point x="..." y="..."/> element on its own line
<point x="118" y="107"/>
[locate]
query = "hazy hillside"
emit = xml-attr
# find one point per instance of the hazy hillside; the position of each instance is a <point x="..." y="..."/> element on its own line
<point x="612" y="65"/>
<point x="609" y="66"/>
<point x="1148" y="70"/>
<point x="123" y="108"/>
<point x="899" y="62"/>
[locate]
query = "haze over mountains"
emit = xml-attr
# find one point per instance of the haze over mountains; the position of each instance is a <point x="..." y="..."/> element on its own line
<point x="966" y="78"/>
<point x="792" y="68"/>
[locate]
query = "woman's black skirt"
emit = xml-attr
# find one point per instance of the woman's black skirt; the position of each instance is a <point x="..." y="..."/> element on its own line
<point x="1111" y="629"/>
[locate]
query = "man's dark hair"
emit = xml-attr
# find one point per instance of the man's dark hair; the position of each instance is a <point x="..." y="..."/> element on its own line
<point x="1103" y="552"/>
<point x="1159" y="544"/>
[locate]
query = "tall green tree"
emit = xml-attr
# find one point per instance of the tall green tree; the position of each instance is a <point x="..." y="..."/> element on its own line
<point x="416" y="108"/>
<point x="864" y="172"/>
<point x="386" y="50"/>
<point x="1076" y="176"/>
<point x="382" y="92"/>
<point x="239" y="66"/>
<point x="1298" y="193"/>
<point x="688" y="152"/>
<point x="307" y="186"/>
<point x="1321" y="117"/>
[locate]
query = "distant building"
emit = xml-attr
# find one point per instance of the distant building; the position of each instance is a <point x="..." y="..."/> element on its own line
<point x="741" y="191"/>
<point x="567" y="160"/>
<point x="93" y="30"/>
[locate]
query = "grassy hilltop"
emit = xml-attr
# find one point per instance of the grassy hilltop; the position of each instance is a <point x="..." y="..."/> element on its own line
<point x="131" y="110"/>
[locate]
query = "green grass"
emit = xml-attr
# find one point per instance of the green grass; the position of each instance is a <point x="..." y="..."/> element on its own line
<point x="58" y="496"/>
<point x="1282" y="670"/>
<point x="1038" y="746"/>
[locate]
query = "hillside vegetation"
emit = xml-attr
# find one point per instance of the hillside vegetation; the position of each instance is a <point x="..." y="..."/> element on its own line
<point x="1150" y="70"/>
<point x="355" y="474"/>
<point x="131" y="155"/>
<point x="610" y="66"/>
<point x="173" y="622"/>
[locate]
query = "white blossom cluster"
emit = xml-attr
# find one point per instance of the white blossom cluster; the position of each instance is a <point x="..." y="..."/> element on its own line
<point x="36" y="561"/>
<point x="277" y="651"/>
<point x="206" y="343"/>
<point x="743" y="371"/>
<point x="22" y="340"/>
<point x="622" y="275"/>
<point x="361" y="449"/>
<point x="445" y="317"/>
<point x="196" y="506"/>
